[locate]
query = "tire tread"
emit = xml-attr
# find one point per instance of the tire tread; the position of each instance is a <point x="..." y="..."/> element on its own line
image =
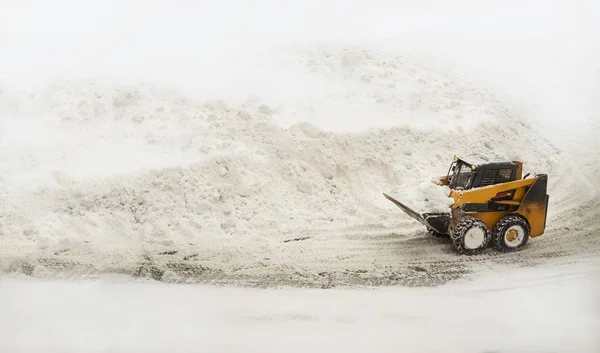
<point x="458" y="233"/>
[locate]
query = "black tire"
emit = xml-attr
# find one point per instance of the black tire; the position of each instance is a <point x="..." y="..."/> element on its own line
<point x="501" y="237"/>
<point x="470" y="236"/>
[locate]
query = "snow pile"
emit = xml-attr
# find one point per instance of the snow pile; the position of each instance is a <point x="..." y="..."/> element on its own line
<point x="139" y="168"/>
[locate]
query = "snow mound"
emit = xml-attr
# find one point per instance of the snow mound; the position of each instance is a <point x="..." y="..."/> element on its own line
<point x="97" y="169"/>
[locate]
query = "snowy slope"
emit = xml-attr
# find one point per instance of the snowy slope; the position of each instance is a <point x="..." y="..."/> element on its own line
<point x="131" y="173"/>
<point x="267" y="170"/>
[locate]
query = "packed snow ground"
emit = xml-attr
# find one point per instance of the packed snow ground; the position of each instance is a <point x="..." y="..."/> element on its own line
<point x="192" y="144"/>
<point x="533" y="310"/>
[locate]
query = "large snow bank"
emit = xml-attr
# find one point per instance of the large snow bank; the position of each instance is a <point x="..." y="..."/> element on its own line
<point x="124" y="167"/>
<point x="236" y="144"/>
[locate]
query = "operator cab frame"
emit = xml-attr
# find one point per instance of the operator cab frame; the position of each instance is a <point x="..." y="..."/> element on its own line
<point x="463" y="175"/>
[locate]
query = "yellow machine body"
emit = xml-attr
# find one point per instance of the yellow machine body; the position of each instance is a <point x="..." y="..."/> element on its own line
<point x="526" y="197"/>
<point x="492" y="202"/>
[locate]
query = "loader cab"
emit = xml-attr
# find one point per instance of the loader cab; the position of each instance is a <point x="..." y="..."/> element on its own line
<point x="464" y="176"/>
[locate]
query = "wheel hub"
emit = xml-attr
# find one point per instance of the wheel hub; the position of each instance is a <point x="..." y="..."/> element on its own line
<point x="514" y="236"/>
<point x="474" y="238"/>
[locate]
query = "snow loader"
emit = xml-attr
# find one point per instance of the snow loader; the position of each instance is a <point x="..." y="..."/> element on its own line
<point x="492" y="204"/>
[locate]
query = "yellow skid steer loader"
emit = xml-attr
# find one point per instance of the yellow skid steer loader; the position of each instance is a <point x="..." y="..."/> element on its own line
<point x="493" y="203"/>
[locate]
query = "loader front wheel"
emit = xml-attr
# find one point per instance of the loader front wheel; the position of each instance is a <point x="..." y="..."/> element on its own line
<point x="511" y="233"/>
<point x="470" y="236"/>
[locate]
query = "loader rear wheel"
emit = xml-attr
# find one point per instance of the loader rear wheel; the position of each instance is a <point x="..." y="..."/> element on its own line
<point x="470" y="236"/>
<point x="511" y="233"/>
